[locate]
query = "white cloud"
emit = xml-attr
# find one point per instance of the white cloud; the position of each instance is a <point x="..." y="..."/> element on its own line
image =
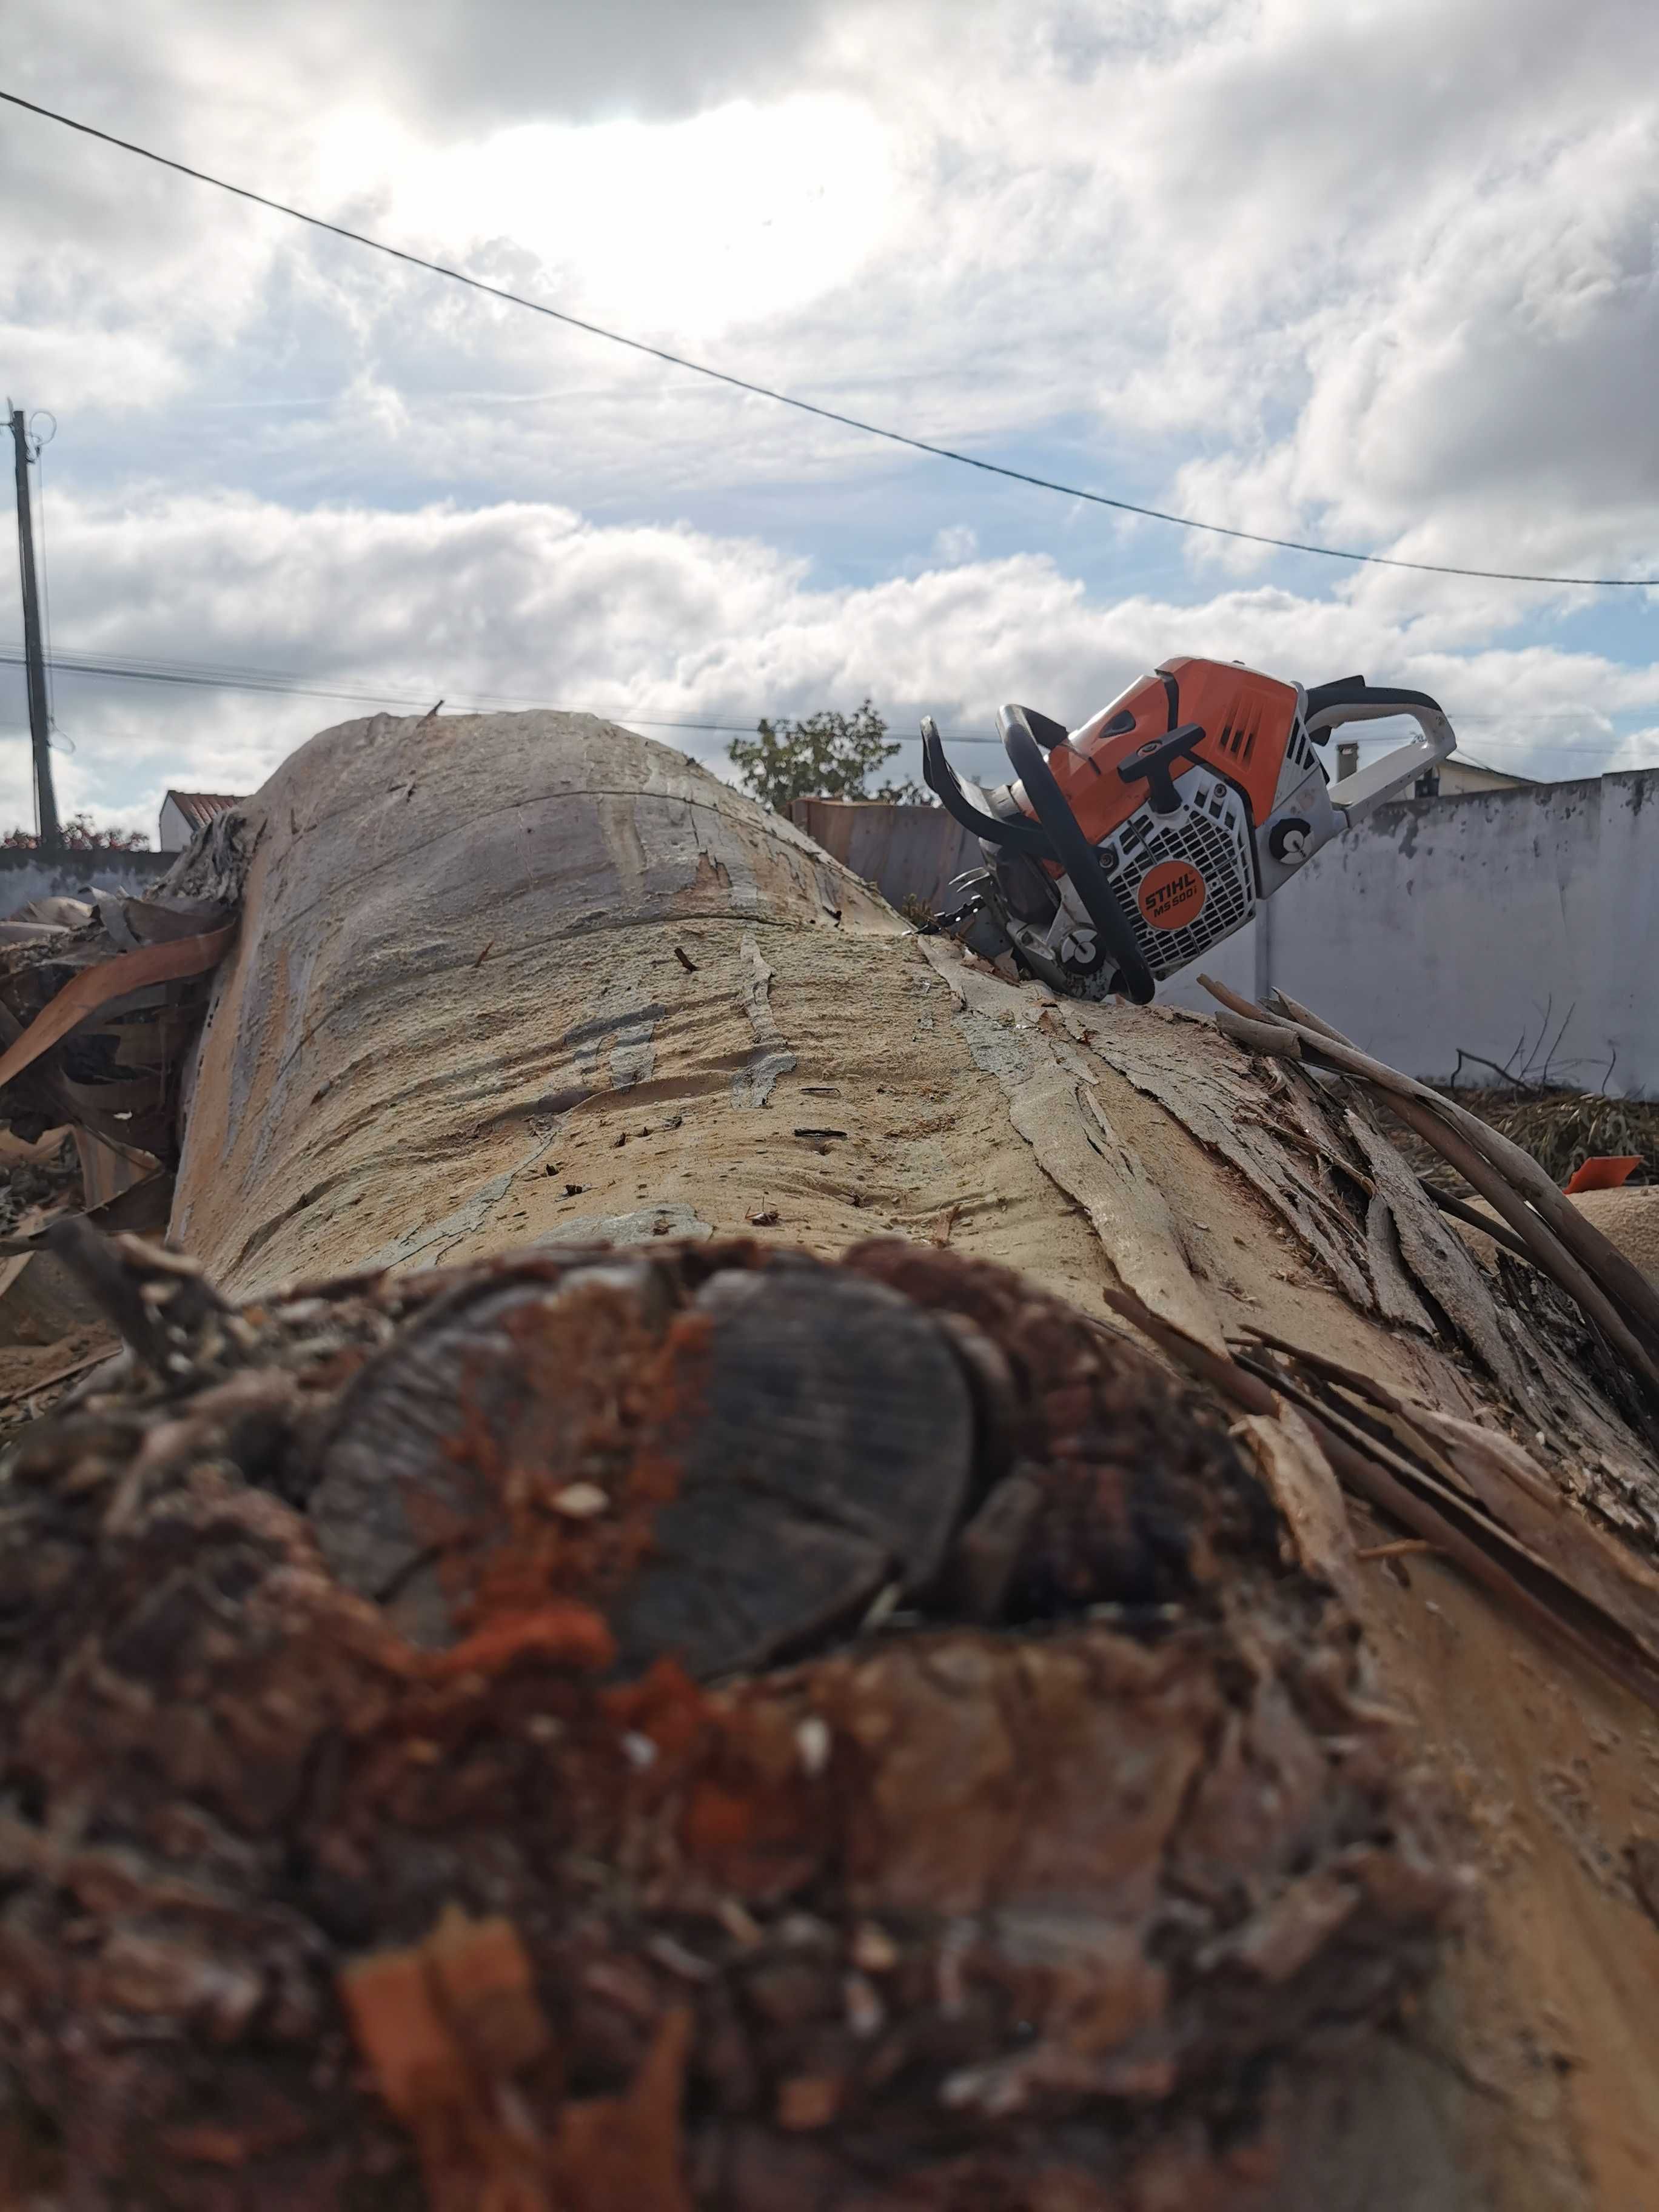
<point x="1639" y="749"/>
<point x="526" y="602"/>
<point x="955" y="544"/>
<point x="1348" y="255"/>
<point x="1378" y="277"/>
<point x="741" y="213"/>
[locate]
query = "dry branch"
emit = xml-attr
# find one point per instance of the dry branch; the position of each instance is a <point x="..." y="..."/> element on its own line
<point x="1566" y="1601"/>
<point x="1622" y="1279"/>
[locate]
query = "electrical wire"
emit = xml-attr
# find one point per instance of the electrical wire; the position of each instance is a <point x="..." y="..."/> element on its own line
<point x="203" y="676"/>
<point x="206" y="676"/>
<point x="808" y="406"/>
<point x="214" y="680"/>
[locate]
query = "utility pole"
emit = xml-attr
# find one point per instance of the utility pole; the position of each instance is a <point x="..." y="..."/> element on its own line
<point x="46" y="798"/>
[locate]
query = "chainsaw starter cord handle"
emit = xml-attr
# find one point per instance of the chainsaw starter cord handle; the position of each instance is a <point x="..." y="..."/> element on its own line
<point x="1075" y="853"/>
<point x="1155" y="762"/>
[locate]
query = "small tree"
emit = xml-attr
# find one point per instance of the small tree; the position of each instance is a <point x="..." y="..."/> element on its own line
<point x="79" y="835"/>
<point x="823" y="756"/>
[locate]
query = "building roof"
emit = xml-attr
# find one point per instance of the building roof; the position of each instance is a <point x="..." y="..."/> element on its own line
<point x="198" y="807"/>
<point x="1464" y="760"/>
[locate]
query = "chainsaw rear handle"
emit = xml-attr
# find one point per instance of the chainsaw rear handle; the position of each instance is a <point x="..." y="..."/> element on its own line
<point x="1075" y="853"/>
<point x="1350" y="699"/>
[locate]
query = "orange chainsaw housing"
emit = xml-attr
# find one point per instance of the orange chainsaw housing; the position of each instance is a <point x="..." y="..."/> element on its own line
<point x="1247" y="720"/>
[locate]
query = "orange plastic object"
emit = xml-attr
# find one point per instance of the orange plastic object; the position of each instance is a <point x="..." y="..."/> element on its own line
<point x="1605" y="1171"/>
<point x="1247" y="720"/>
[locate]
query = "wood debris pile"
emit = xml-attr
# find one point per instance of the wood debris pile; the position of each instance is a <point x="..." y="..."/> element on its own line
<point x="99" y="1005"/>
<point x="1614" y="1297"/>
<point x="1012" y="1821"/>
<point x="36" y="1181"/>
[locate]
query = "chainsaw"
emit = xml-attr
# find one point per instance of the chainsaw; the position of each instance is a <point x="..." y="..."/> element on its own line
<point x="1123" y="850"/>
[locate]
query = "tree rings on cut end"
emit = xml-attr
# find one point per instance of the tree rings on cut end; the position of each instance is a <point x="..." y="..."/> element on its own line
<point x="755" y="1461"/>
<point x="835" y="1455"/>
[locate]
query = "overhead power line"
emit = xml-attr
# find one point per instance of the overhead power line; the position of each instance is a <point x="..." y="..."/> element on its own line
<point x="809" y="406"/>
<point x="211" y="679"/>
<point x="205" y="675"/>
<point x="202" y="676"/>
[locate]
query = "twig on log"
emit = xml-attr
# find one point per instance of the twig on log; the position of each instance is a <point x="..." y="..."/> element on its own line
<point x="1472" y="1215"/>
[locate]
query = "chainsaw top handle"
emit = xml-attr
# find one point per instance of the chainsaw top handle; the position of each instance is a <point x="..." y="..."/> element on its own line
<point x="1074" y="853"/>
<point x="1350" y="699"/>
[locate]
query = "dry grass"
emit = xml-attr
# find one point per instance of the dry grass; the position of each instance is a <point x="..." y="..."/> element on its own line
<point x="1560" y="1128"/>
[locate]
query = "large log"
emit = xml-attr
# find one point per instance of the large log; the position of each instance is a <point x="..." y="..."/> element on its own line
<point x="882" y="1673"/>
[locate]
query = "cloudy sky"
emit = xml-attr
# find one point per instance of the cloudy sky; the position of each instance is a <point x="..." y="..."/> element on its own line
<point x="1379" y="275"/>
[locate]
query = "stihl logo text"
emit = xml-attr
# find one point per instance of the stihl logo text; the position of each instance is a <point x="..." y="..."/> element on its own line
<point x="1172" y="894"/>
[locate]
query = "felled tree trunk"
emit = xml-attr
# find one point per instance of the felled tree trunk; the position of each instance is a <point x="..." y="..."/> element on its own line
<point x="664" y="1719"/>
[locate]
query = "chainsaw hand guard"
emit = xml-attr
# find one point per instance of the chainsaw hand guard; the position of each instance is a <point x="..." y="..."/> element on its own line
<point x="942" y="779"/>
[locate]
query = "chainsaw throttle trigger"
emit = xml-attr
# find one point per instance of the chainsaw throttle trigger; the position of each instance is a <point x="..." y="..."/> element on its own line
<point x="1076" y="854"/>
<point x="1155" y="762"/>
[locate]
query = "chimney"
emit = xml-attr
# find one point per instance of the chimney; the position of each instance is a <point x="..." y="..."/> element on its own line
<point x="1347" y="757"/>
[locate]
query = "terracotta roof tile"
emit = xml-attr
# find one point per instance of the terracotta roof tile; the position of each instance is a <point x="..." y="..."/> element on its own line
<point x="200" y="806"/>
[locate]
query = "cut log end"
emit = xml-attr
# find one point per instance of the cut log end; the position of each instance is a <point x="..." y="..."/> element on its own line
<point x="446" y="1761"/>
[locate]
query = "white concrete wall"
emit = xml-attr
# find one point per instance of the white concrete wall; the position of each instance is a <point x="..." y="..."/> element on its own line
<point x="24" y="876"/>
<point x="174" y="831"/>
<point x="1469" y="921"/>
<point x="1466" y="920"/>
